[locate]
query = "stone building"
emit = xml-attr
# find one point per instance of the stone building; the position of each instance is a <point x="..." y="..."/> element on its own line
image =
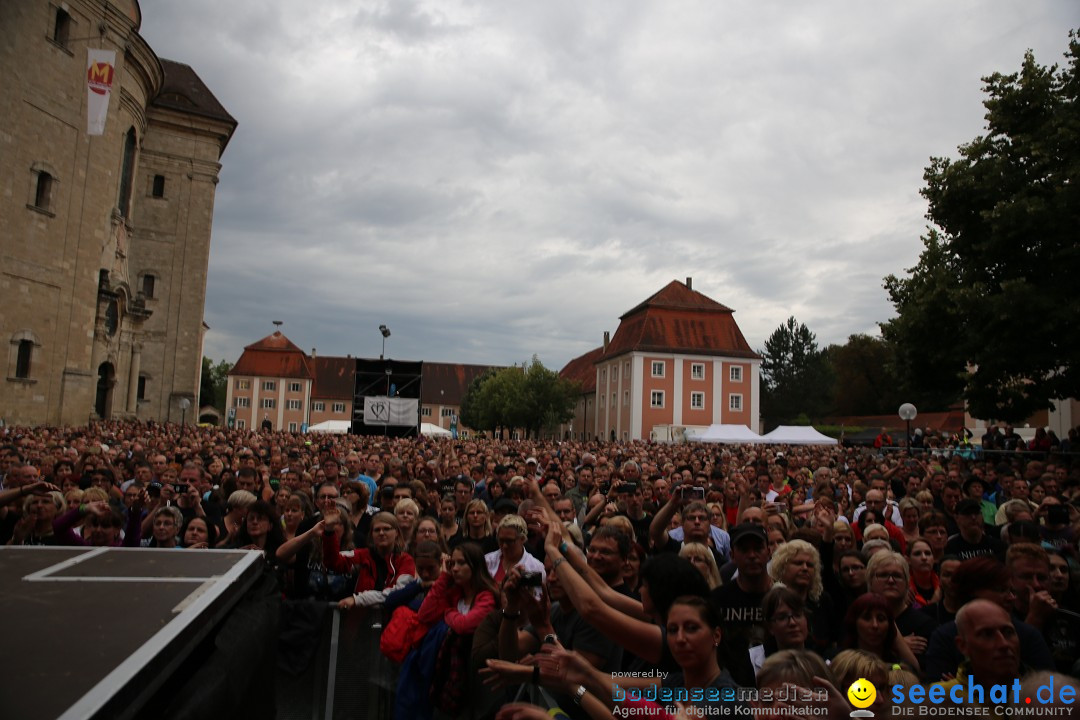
<point x="677" y="361"/>
<point x="104" y="239"/>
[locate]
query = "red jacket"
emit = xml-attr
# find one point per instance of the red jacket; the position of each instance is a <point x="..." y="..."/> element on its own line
<point x="442" y="601"/>
<point x="397" y="564"/>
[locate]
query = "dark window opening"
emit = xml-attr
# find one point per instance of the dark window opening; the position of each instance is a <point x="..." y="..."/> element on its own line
<point x="22" y="362"/>
<point x="112" y="318"/>
<point x="62" y="28"/>
<point x="124" y="204"/>
<point x="159" y="186"/>
<point x="43" y="193"/>
<point x="148" y="285"/>
<point x="141" y="394"/>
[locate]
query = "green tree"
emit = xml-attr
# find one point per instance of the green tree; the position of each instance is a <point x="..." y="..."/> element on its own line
<point x="530" y="397"/>
<point x="989" y="311"/>
<point x="796" y="378"/>
<point x="213" y="384"/>
<point x="865" y="383"/>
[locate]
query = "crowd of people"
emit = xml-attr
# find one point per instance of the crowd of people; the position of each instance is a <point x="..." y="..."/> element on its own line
<point x="607" y="579"/>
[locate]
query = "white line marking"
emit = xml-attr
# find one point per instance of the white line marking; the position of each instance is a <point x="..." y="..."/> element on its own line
<point x="100" y="694"/>
<point x="41" y="574"/>
<point x="94" y="578"/>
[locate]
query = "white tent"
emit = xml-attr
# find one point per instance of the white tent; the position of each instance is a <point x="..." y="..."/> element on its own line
<point x="729" y="434"/>
<point x="433" y="430"/>
<point x="334" y="427"/>
<point x="796" y="435"/>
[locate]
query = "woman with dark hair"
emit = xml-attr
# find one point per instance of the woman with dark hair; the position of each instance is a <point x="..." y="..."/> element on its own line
<point x="462" y="597"/>
<point x="198" y="534"/>
<point x="261" y="531"/>
<point x="925" y="586"/>
<point x="786" y="626"/>
<point x="870" y="625"/>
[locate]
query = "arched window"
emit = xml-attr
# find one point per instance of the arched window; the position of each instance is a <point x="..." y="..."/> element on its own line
<point x="126" y="173"/>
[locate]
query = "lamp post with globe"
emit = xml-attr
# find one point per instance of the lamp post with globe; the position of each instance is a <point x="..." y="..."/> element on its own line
<point x="907" y="414"/>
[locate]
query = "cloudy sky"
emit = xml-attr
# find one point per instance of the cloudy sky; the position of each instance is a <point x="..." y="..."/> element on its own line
<point x="494" y="179"/>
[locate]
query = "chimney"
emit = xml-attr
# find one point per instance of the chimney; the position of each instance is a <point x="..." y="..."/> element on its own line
<point x="607" y="339"/>
<point x="312" y="352"/>
<point x="689" y="283"/>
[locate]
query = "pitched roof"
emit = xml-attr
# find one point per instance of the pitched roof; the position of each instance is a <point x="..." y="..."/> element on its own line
<point x="582" y="369"/>
<point x="678" y="319"/>
<point x="184" y="90"/>
<point x="273" y="356"/>
<point x="446" y="383"/>
<point x="335" y="378"/>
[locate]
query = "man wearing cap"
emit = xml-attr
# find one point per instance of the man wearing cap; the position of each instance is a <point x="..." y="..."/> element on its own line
<point x="738" y="603"/>
<point x="972" y="540"/>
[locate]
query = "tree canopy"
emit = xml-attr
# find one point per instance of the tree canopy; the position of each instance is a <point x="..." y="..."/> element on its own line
<point x="532" y="398"/>
<point x="214" y="383"/>
<point x="990" y="311"/>
<point x="795" y="375"/>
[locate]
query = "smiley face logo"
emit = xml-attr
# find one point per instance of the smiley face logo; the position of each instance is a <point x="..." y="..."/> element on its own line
<point x="862" y="693"/>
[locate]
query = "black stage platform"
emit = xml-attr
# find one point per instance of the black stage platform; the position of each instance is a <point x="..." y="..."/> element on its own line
<point x="97" y="632"/>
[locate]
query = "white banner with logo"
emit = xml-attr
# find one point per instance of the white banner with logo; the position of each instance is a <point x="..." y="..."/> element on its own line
<point x="100" y="70"/>
<point x="382" y="410"/>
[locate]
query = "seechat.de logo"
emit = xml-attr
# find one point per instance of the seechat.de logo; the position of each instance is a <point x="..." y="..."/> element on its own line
<point x="862" y="695"/>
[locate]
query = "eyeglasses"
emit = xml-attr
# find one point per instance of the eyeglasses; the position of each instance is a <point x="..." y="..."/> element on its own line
<point x="889" y="577"/>
<point x="787" y="618"/>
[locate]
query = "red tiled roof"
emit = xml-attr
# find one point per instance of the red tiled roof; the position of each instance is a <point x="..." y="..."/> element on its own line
<point x="273" y="356"/>
<point x="678" y="319"/>
<point x="583" y="370"/>
<point x="446" y="383"/>
<point x="335" y="378"/>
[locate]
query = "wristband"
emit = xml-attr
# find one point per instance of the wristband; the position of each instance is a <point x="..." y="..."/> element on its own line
<point x="564" y="548"/>
<point x="558" y="561"/>
<point x="579" y="694"/>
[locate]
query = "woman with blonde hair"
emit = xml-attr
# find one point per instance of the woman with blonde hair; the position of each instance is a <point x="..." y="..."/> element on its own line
<point x="797" y="564"/>
<point x="476" y="527"/>
<point x="407" y="513"/>
<point x="850" y="665"/>
<point x="702" y="558"/>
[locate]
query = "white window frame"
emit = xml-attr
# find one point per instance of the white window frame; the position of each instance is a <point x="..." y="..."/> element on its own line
<point x="338" y="407"/>
<point x="295" y="387"/>
<point x="602" y="396"/>
<point x="697" y="371"/>
<point x="292" y="427"/>
<point x="697" y="401"/>
<point x="654" y="365"/>
<point x="268" y="403"/>
<point x="242" y="402"/>
<point x="735" y="373"/>
<point x="656" y="399"/>
<point x="614" y="372"/>
<point x="243" y="384"/>
<point x="241" y="424"/>
<point x="626" y="398"/>
<point x="269" y="385"/>
<point x="425" y="412"/>
<point x="446" y="412"/>
<point x="735" y="402"/>
<point x="318" y="406"/>
<point x="292" y="404"/>
<point x="626" y="369"/>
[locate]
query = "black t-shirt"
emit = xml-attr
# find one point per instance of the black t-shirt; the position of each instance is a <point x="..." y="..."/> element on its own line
<point x="961" y="548"/>
<point x="742" y="622"/>
<point x="641" y="528"/>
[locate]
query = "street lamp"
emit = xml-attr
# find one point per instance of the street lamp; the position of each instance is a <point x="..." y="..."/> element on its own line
<point x="184" y="405"/>
<point x="385" y="334"/>
<point x="907" y="414"/>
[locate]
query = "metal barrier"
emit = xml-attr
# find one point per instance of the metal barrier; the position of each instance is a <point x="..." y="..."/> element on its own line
<point x="347" y="676"/>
